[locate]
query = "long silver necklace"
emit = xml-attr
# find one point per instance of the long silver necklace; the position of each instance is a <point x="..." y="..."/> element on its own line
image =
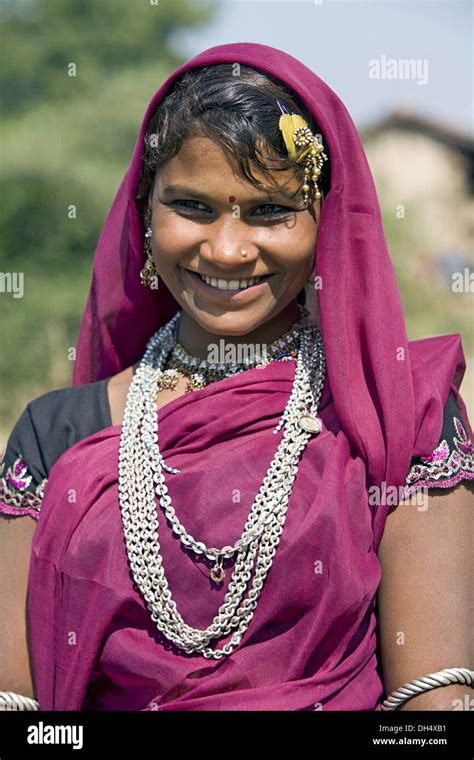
<point x="141" y="475"/>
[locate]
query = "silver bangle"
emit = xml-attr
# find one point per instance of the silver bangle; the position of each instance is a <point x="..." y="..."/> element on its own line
<point x="426" y="683"/>
<point x="12" y="701"/>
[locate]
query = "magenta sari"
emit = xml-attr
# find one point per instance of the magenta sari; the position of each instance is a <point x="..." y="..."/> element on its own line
<point x="312" y="643"/>
<point x="322" y="617"/>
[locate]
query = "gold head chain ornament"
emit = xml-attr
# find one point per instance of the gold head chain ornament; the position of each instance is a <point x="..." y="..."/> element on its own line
<point x="297" y="135"/>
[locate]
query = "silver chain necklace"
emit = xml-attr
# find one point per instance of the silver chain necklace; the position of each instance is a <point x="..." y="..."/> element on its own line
<point x="141" y="475"/>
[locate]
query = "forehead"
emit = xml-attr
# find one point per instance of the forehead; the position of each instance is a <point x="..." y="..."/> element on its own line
<point x="200" y="158"/>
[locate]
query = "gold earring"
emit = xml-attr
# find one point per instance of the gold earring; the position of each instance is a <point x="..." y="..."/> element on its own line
<point x="244" y="252"/>
<point x="149" y="275"/>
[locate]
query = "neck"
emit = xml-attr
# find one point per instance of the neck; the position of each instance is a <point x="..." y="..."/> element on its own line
<point x="195" y="339"/>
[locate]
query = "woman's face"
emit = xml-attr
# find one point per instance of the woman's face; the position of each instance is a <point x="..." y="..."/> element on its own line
<point x="204" y="215"/>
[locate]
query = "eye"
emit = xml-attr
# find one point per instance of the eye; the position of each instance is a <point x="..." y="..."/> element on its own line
<point x="281" y="210"/>
<point x="185" y="204"/>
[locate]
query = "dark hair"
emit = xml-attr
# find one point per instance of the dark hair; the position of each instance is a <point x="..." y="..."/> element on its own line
<point x="234" y="105"/>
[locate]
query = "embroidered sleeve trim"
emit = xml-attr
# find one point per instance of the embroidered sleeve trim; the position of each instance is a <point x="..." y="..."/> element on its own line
<point x="446" y="466"/>
<point x="14" y="493"/>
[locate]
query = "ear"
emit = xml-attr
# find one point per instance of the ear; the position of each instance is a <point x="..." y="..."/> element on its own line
<point x="149" y="203"/>
<point x="148" y="212"/>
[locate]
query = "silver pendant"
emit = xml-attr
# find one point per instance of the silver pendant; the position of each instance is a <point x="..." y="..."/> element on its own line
<point x="218" y="573"/>
<point x="310" y="423"/>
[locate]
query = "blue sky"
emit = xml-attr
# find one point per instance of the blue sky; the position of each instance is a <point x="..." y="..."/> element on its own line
<point x="337" y="39"/>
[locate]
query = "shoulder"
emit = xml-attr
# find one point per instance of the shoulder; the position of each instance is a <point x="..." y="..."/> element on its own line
<point x="49" y="425"/>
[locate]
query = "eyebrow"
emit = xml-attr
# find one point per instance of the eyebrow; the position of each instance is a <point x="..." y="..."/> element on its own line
<point x="181" y="190"/>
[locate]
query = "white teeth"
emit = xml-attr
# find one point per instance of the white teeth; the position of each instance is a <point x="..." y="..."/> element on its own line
<point x="230" y="284"/>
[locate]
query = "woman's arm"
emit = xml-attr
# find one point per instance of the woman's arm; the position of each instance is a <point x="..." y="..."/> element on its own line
<point x="16" y="535"/>
<point x="426" y="595"/>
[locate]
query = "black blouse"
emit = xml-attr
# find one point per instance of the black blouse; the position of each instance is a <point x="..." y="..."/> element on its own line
<point x="48" y="425"/>
<point x="58" y="419"/>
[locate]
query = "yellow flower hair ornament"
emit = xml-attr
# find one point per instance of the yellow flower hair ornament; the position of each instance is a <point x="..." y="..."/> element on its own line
<point x="297" y="135"/>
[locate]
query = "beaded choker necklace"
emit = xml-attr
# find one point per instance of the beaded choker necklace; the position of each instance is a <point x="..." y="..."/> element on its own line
<point x="201" y="372"/>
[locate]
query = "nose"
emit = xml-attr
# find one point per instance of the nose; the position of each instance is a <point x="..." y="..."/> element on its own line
<point x="227" y="247"/>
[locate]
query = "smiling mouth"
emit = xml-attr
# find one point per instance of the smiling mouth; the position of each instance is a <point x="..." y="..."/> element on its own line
<point x="234" y="285"/>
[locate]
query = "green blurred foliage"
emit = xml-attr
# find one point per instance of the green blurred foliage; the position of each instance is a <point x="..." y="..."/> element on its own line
<point x="67" y="141"/>
<point x="101" y="37"/>
<point x="431" y="307"/>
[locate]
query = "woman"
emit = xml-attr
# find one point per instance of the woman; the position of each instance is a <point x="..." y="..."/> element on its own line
<point x="122" y="587"/>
